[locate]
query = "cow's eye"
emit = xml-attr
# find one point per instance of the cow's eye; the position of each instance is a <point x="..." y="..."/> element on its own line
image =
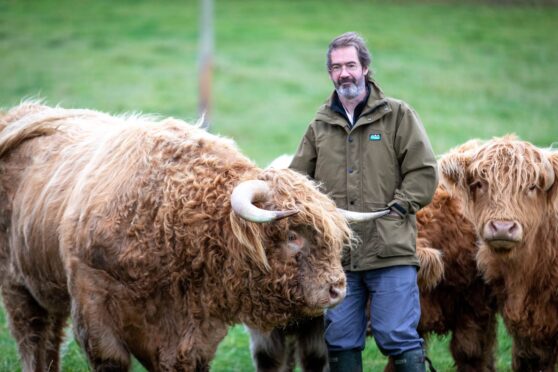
<point x="292" y="236"/>
<point x="532" y="187"/>
<point x="295" y="241"/>
<point x="475" y="186"/>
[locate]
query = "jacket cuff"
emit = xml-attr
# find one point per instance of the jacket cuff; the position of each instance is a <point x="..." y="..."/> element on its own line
<point x="398" y="207"/>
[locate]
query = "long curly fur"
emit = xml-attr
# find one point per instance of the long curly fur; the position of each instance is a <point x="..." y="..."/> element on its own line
<point x="518" y="183"/>
<point x="134" y="214"/>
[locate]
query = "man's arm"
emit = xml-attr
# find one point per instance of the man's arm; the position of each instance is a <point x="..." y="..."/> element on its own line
<point x="417" y="163"/>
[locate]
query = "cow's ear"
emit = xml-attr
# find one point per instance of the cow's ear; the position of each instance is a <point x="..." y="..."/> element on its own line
<point x="453" y="171"/>
<point x="553" y="190"/>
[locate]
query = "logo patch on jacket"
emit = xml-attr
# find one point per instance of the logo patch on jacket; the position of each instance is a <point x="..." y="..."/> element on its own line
<point x="375" y="136"/>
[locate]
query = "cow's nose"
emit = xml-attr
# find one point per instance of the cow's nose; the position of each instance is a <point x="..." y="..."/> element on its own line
<point x="337" y="292"/>
<point x="503" y="230"/>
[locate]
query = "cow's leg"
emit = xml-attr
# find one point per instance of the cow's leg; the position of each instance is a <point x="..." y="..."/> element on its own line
<point x="96" y="318"/>
<point x="312" y="346"/>
<point x="93" y="331"/>
<point x="268" y="350"/>
<point x="54" y="337"/>
<point x="468" y="350"/>
<point x="473" y="342"/>
<point x="532" y="356"/>
<point x="38" y="333"/>
<point x="198" y="345"/>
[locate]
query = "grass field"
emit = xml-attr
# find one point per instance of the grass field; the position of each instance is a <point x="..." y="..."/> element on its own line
<point x="470" y="70"/>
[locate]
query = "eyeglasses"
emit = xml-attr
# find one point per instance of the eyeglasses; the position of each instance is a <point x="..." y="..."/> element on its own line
<point x="337" y="68"/>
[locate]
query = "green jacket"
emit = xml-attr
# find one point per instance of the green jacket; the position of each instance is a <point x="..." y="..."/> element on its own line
<point x="385" y="158"/>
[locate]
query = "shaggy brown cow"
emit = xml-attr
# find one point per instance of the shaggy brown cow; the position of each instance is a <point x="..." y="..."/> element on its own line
<point x="145" y="231"/>
<point x="509" y="191"/>
<point x="459" y="302"/>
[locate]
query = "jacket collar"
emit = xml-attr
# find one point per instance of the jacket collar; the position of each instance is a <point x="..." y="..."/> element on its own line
<point x="375" y="100"/>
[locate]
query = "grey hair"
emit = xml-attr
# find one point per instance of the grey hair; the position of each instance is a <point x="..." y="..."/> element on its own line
<point x="353" y="39"/>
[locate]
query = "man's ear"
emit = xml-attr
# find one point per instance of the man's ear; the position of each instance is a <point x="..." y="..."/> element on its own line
<point x="453" y="172"/>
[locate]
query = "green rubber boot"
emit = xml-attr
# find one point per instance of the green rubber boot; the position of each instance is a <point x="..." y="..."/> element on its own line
<point x="410" y="361"/>
<point x="345" y="361"/>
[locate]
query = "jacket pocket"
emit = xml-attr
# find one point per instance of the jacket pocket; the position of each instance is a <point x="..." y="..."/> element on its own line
<point x="397" y="236"/>
<point x="368" y="231"/>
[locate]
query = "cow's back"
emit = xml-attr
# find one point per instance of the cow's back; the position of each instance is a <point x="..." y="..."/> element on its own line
<point x="38" y="176"/>
<point x="60" y="171"/>
<point x="82" y="184"/>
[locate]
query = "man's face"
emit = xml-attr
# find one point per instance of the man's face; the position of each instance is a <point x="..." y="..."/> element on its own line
<point x="346" y="72"/>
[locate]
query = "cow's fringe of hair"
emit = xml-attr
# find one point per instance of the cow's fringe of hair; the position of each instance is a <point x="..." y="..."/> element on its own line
<point x="512" y="164"/>
<point x="508" y="163"/>
<point x="249" y="235"/>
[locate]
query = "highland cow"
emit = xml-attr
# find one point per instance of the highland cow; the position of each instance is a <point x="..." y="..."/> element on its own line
<point x="155" y="236"/>
<point x="509" y="190"/>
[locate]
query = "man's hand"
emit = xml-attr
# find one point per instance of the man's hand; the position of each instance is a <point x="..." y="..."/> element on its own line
<point x="396" y="210"/>
<point x="392" y="213"/>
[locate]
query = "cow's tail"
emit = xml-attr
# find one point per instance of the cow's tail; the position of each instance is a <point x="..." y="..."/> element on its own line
<point x="431" y="265"/>
<point x="27" y="120"/>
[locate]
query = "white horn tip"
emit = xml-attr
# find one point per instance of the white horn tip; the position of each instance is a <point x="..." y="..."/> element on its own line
<point x="362" y="216"/>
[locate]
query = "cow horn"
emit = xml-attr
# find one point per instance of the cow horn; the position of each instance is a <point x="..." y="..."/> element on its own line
<point x="248" y="192"/>
<point x="550" y="176"/>
<point x="351" y="216"/>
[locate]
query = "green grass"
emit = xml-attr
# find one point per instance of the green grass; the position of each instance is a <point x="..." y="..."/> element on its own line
<point x="470" y="70"/>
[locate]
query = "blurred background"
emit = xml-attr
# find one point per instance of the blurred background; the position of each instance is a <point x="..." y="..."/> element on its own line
<point x="473" y="69"/>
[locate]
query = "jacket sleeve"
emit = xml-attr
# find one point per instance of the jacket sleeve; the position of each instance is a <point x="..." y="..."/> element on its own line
<point x="304" y="160"/>
<point x="417" y="163"/>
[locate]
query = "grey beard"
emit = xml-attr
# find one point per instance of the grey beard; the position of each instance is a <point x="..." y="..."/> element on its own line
<point x="350" y="92"/>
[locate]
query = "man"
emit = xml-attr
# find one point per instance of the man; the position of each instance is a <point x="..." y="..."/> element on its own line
<point x="371" y="152"/>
